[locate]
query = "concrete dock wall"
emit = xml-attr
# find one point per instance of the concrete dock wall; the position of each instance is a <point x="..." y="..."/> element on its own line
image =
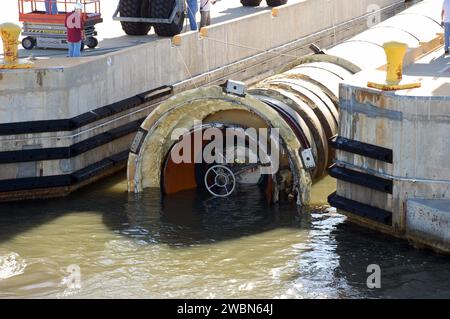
<point x="415" y="128"/>
<point x="429" y="220"/>
<point x="61" y="89"/>
<point x="393" y="147"/>
<point x="39" y="157"/>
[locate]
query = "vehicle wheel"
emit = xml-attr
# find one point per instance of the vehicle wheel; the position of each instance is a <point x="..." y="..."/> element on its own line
<point x="276" y="3"/>
<point x="163" y="9"/>
<point x="91" y="42"/>
<point x="133" y="9"/>
<point x="251" y="3"/>
<point x="28" y="43"/>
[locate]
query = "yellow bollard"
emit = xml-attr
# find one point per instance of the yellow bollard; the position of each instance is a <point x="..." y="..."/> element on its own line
<point x="395" y="53"/>
<point x="10" y="33"/>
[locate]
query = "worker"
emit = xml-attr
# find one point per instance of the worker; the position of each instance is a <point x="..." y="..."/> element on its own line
<point x="75" y="30"/>
<point x="51" y="7"/>
<point x="446" y="24"/>
<point x="192" y="12"/>
<point x="205" y="12"/>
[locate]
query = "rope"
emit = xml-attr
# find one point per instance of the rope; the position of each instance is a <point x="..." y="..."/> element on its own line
<point x="333" y="29"/>
<point x="252" y="48"/>
<point x="187" y="68"/>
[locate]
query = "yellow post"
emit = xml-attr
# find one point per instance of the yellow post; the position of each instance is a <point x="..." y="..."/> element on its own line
<point x="395" y="53"/>
<point x="10" y="33"/>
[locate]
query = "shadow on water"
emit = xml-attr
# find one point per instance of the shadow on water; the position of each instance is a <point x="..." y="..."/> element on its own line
<point x="329" y="256"/>
<point x="184" y="219"/>
<point x="406" y="272"/>
<point x="22" y="216"/>
<point x="194" y="217"/>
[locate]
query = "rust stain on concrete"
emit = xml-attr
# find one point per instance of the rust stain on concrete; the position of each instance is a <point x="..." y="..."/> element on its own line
<point x="40" y="77"/>
<point x="372" y="98"/>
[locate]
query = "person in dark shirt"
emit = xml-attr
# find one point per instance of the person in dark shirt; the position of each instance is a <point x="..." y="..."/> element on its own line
<point x="75" y="30"/>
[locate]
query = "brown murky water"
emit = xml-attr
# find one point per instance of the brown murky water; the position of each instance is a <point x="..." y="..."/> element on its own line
<point x="192" y="246"/>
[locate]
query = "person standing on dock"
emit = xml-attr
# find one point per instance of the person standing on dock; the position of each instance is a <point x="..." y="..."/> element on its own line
<point x="51" y="7"/>
<point x="205" y="12"/>
<point x="446" y="24"/>
<point x="75" y="30"/>
<point x="192" y="6"/>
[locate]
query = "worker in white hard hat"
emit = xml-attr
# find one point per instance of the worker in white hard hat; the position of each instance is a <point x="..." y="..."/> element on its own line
<point x="75" y="30"/>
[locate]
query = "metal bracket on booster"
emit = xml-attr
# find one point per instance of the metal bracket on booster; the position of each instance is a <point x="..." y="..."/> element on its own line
<point x="308" y="158"/>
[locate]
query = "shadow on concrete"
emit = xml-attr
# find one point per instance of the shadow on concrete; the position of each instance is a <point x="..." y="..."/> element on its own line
<point x="442" y="90"/>
<point x="438" y="67"/>
<point x="238" y="12"/>
<point x="105" y="46"/>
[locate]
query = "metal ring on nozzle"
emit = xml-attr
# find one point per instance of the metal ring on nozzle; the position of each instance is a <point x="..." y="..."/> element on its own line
<point x="223" y="179"/>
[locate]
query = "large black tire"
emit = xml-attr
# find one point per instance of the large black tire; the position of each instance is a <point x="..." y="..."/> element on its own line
<point x="276" y="3"/>
<point x="163" y="9"/>
<point x="251" y="3"/>
<point x="134" y="9"/>
<point x="91" y="42"/>
<point x="28" y="43"/>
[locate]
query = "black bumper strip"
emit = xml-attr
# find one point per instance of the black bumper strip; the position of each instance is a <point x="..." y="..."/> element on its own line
<point x="70" y="151"/>
<point x="363" y="149"/>
<point x="85" y="118"/>
<point x="360" y="209"/>
<point x="21" y="184"/>
<point x="362" y="179"/>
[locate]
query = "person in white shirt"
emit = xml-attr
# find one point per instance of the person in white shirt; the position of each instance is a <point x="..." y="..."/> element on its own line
<point x="205" y="12"/>
<point x="446" y="24"/>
